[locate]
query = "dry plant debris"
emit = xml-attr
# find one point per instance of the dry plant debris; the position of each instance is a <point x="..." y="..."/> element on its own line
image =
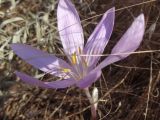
<point x="129" y="90"/>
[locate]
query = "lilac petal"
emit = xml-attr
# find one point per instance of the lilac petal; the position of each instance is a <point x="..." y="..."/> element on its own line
<point x="100" y="37"/>
<point x="55" y="84"/>
<point x="41" y="60"/>
<point x="69" y="27"/>
<point x="129" y="42"/>
<point x="89" y="79"/>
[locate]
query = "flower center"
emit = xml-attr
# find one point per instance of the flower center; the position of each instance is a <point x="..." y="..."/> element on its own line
<point x="79" y="65"/>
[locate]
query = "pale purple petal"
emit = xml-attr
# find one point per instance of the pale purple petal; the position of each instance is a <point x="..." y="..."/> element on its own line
<point x="41" y="60"/>
<point x="55" y="84"/>
<point x="69" y="27"/>
<point x="100" y="37"/>
<point x="129" y="42"/>
<point x="89" y="79"/>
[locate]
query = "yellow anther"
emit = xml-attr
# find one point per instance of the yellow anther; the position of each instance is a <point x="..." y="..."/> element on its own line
<point x="85" y="63"/>
<point x="74" y="58"/>
<point x="66" y="70"/>
<point x="79" y="50"/>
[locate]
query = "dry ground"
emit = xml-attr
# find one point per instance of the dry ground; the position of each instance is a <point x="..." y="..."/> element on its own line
<point x="129" y="90"/>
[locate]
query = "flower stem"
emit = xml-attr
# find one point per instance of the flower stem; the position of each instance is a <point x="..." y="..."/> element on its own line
<point x="93" y="108"/>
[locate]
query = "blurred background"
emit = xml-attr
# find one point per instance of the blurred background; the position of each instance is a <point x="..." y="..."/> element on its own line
<point x="128" y="90"/>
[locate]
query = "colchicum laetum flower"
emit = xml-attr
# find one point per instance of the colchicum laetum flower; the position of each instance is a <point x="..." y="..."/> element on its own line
<point x="81" y="69"/>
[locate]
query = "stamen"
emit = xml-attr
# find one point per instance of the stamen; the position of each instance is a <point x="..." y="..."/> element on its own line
<point x="85" y="63"/>
<point x="66" y="70"/>
<point x="79" y="50"/>
<point x="70" y="73"/>
<point x="74" y="58"/>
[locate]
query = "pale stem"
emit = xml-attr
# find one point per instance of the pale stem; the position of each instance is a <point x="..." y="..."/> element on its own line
<point x="93" y="108"/>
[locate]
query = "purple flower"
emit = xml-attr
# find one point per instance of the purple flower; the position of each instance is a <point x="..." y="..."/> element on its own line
<point x="81" y="69"/>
